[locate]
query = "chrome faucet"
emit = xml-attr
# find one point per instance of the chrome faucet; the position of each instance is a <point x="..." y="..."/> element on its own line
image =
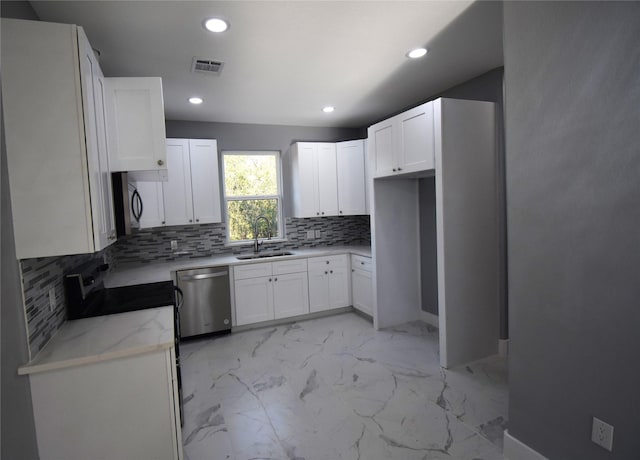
<point x="256" y="245"/>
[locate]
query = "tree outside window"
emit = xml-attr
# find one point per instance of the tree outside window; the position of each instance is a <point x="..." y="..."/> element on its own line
<point x="252" y="189"/>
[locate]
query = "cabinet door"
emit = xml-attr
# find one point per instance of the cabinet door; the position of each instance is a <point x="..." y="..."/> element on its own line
<point x="290" y="295"/>
<point x="152" y="204"/>
<point x="305" y="200"/>
<point x="205" y="180"/>
<point x="351" y="178"/>
<point x="105" y="166"/>
<point x="339" y="287"/>
<point x="319" y="290"/>
<point x="254" y="300"/>
<point x="381" y="140"/>
<point x="362" y="290"/>
<point x="416" y="139"/>
<point x="136" y="124"/>
<point x="95" y="137"/>
<point x="178" y="204"/>
<point x="326" y="170"/>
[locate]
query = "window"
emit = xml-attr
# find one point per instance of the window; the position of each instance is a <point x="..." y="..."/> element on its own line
<point x="252" y="189"/>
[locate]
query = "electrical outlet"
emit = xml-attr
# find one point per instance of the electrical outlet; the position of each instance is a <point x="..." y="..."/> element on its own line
<point x="310" y="235"/>
<point x="174" y="245"/>
<point x="52" y="299"/>
<point x="602" y="434"/>
<point x="318" y="234"/>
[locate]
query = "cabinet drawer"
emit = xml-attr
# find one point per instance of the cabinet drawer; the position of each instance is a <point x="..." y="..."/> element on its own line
<point x="241" y="272"/>
<point x="289" y="266"/>
<point x="321" y="263"/>
<point x="361" y="262"/>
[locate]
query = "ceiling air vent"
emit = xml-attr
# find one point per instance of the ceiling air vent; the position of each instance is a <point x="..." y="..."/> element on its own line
<point x="207" y="66"/>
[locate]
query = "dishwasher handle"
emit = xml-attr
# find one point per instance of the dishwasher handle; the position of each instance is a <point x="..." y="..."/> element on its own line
<point x="203" y="276"/>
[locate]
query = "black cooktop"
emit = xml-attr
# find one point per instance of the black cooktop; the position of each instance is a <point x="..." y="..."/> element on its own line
<point x="108" y="301"/>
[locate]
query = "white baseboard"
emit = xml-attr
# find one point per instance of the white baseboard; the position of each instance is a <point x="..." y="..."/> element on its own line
<point x="429" y="318"/>
<point x="503" y="347"/>
<point x="517" y="450"/>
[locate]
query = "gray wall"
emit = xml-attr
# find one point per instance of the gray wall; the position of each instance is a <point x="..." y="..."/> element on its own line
<point x="428" y="245"/>
<point x="572" y="78"/>
<point x="18" y="430"/>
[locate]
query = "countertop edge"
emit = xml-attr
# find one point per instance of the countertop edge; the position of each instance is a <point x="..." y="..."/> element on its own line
<point x="93" y="359"/>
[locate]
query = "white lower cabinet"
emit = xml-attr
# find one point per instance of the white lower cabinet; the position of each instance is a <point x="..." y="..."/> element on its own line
<point x="270" y="290"/>
<point x="362" y="284"/>
<point x="120" y="408"/>
<point x="328" y="283"/>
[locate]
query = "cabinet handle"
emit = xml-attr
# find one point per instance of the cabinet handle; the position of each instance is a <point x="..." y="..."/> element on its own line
<point x="163" y="222"/>
<point x="160" y="162"/>
<point x="190" y="220"/>
<point x="323" y="213"/>
<point x="276" y="279"/>
<point x="399" y="169"/>
<point x="197" y="220"/>
<point x="269" y="279"/>
<point x="361" y="263"/>
<point x="317" y="213"/>
<point x="326" y="273"/>
<point x="352" y="270"/>
<point x="340" y="212"/>
<point x="327" y="262"/>
<point x="394" y="169"/>
<point x="331" y="271"/>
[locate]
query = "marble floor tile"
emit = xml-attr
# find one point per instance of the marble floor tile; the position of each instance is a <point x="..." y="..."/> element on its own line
<point x="334" y="388"/>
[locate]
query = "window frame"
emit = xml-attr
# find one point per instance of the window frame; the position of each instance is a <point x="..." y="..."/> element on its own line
<point x="278" y="197"/>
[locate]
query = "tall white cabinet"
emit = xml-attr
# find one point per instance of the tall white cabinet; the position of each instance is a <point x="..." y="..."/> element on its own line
<point x="450" y="143"/>
<point x="59" y="172"/>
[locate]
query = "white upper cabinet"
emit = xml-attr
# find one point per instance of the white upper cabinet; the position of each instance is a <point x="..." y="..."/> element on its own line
<point x="314" y="181"/>
<point x="178" y="198"/>
<point x="191" y="195"/>
<point x="351" y="178"/>
<point x="55" y="138"/>
<point x="205" y="183"/>
<point x="404" y="143"/>
<point x="136" y="124"/>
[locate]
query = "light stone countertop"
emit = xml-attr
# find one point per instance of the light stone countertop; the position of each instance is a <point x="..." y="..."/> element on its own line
<point x="128" y="274"/>
<point x="92" y="340"/>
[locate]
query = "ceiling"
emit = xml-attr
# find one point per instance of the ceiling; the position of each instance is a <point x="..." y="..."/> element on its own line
<point x="285" y="60"/>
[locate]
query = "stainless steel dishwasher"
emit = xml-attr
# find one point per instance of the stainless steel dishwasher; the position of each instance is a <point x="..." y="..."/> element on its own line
<point x="206" y="306"/>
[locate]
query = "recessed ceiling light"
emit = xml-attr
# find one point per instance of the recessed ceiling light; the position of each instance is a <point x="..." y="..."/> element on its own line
<point x="417" y="53"/>
<point x="328" y="109"/>
<point x="216" y="25"/>
<point x="196" y="100"/>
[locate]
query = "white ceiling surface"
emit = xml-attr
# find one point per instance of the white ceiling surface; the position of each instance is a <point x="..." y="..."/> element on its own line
<point x="285" y="60"/>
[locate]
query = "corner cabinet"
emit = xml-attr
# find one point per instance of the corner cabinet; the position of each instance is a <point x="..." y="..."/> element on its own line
<point x="404" y="143"/>
<point x="362" y="284"/>
<point x="328" y="179"/>
<point x="191" y="195"/>
<point x="328" y="283"/>
<point x="136" y="124"/>
<point x="56" y="139"/>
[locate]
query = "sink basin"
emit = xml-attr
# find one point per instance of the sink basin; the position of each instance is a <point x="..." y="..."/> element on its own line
<point x="262" y="255"/>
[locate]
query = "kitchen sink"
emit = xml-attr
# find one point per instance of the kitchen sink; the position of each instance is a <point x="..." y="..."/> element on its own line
<point x="262" y="255"/>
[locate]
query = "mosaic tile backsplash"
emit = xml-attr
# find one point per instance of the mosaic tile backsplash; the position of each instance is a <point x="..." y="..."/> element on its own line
<point x="41" y="275"/>
<point x="151" y="245"/>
